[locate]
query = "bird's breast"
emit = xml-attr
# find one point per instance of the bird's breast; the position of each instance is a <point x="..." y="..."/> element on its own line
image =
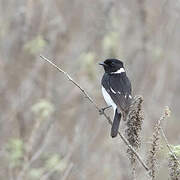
<point x="108" y="99"/>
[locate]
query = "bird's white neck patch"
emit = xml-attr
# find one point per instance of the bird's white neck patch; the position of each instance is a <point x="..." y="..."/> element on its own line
<point x="121" y="70"/>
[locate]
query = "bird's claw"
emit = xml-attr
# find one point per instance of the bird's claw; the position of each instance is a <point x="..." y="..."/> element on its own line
<point x="101" y="111"/>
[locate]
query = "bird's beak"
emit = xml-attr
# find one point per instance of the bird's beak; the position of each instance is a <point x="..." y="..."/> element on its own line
<point x="102" y="64"/>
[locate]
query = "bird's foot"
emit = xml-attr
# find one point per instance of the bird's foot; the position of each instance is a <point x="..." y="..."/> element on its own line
<point x="101" y="111"/>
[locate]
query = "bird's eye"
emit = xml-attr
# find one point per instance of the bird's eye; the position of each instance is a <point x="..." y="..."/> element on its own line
<point x="112" y="64"/>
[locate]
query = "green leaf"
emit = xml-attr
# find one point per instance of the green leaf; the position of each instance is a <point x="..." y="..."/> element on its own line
<point x="36" y="173"/>
<point x="15" y="149"/>
<point x="43" y="108"/>
<point x="56" y="163"/>
<point x="35" y="45"/>
<point x="53" y="161"/>
<point x="176" y="150"/>
<point x="110" y="41"/>
<point x="87" y="63"/>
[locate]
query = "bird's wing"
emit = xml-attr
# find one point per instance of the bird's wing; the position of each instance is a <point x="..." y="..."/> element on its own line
<point x="119" y="88"/>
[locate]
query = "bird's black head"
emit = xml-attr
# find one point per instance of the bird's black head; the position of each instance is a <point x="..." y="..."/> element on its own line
<point x="112" y="66"/>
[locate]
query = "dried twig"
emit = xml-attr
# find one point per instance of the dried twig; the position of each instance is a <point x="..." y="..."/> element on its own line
<point x="134" y="122"/>
<point x="47" y="175"/>
<point x="155" y="145"/>
<point x="174" y="163"/>
<point x="97" y="108"/>
<point x="167" y="112"/>
<point x="174" y="170"/>
<point x="168" y="146"/>
<point x="134" y="126"/>
<point x="67" y="172"/>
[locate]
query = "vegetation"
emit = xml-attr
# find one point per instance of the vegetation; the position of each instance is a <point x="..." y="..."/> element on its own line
<point x="48" y="129"/>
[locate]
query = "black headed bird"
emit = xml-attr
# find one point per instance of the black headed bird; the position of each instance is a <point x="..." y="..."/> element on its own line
<point x="116" y="89"/>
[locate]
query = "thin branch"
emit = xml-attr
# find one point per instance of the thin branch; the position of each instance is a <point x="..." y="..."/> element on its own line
<point x="168" y="146"/>
<point x="167" y="113"/>
<point x="74" y="82"/>
<point x="67" y="172"/>
<point x="98" y="108"/>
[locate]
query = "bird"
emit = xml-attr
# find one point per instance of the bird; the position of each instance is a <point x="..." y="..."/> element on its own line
<point x="116" y="90"/>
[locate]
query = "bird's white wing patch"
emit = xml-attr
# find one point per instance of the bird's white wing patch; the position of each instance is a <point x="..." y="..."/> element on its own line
<point x="113" y="90"/>
<point x="108" y="99"/>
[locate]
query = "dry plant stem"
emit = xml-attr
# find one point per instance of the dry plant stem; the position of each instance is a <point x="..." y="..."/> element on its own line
<point x="74" y="82"/>
<point x="27" y="152"/>
<point x="97" y="107"/>
<point x="133" y="129"/>
<point x="155" y="143"/>
<point x="49" y="174"/>
<point x="67" y="172"/>
<point x="168" y="146"/>
<point x="174" y="171"/>
<point x="134" y="173"/>
<point x="155" y="147"/>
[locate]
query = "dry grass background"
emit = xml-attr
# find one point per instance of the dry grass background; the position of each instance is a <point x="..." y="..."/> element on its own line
<point x="47" y="129"/>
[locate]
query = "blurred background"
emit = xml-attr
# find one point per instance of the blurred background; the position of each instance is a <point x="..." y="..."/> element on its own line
<point x="48" y="130"/>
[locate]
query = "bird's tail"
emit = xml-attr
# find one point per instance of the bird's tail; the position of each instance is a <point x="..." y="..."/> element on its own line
<point x="115" y="125"/>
